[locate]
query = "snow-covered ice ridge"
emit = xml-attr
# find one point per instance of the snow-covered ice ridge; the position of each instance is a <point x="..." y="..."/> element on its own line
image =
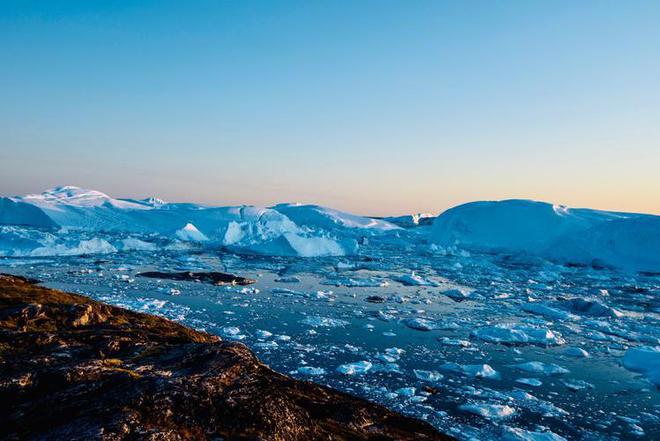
<point x="283" y="230"/>
<point x="526" y="228"/>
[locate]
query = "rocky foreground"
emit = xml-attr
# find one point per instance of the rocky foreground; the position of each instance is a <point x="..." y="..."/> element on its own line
<point x="73" y="368"/>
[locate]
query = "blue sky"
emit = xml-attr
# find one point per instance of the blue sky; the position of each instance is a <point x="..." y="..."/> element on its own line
<point x="377" y="107"/>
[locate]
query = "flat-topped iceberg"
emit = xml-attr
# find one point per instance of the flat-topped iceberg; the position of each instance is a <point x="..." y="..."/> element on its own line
<point x="576" y="235"/>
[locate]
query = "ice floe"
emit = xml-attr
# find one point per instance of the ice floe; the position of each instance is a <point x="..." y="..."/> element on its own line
<point x="541" y="368"/>
<point x="517" y="334"/>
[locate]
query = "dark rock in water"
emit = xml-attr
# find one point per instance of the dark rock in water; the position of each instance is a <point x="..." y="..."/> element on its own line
<point x="72" y="368"/>
<point x="375" y="299"/>
<point x="213" y="278"/>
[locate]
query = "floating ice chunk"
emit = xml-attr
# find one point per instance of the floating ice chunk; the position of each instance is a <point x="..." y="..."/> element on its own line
<point x="489" y="411"/>
<point x="386" y="367"/>
<point x="190" y="233"/>
<point x="528" y="401"/>
<point x="576" y="352"/>
<point x="266" y="345"/>
<point x="416" y="280"/>
<point x="538" y="367"/>
<point x="325" y="322"/>
<point x="91" y="246"/>
<point x="535" y="382"/>
<point x="457" y="294"/>
<point x="548" y="311"/>
<point x="472" y="370"/>
<point x="421" y="324"/>
<point x="454" y="342"/>
<point x="576" y="385"/>
<point x="231" y="330"/>
<point x="591" y="307"/>
<point x="311" y="371"/>
<point x="430" y="376"/>
<point x="516" y="434"/>
<point x="517" y="334"/>
<point x="406" y="391"/>
<point x="261" y="334"/>
<point x="646" y="360"/>
<point x="395" y="352"/>
<point x="356" y="368"/>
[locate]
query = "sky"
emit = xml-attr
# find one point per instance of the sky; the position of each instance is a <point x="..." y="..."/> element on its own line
<point x="375" y="107"/>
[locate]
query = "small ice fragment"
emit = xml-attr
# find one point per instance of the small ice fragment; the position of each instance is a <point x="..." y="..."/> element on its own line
<point x="535" y="382"/>
<point x="356" y="368"/>
<point x="516" y="434"/>
<point x="406" y="391"/>
<point x="325" y="322"/>
<point x="472" y="370"/>
<point x="430" y="376"/>
<point x="538" y="367"/>
<point x="261" y="334"/>
<point x="489" y="411"/>
<point x="454" y="342"/>
<point x="576" y="385"/>
<point x="576" y="352"/>
<point x="421" y="324"/>
<point x="312" y="371"/>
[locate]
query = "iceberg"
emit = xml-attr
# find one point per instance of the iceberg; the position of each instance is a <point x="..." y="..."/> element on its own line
<point x="575" y="235"/>
<point x="245" y="229"/>
<point x="318" y="217"/>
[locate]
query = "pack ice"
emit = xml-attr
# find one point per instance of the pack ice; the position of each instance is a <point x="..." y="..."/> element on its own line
<point x="575" y="235"/>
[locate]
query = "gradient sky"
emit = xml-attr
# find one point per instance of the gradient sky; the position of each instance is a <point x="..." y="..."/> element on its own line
<point x="376" y="107"/>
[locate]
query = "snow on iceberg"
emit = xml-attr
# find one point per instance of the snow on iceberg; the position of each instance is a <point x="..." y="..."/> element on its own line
<point x="318" y="217"/>
<point x="575" y="235"/>
<point x="91" y="246"/>
<point x="190" y="233"/>
<point x="248" y="229"/>
<point x="411" y="220"/>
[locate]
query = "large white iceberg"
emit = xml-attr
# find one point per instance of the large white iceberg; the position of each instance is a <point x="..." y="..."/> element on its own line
<point x="245" y="228"/>
<point x="575" y="235"/>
